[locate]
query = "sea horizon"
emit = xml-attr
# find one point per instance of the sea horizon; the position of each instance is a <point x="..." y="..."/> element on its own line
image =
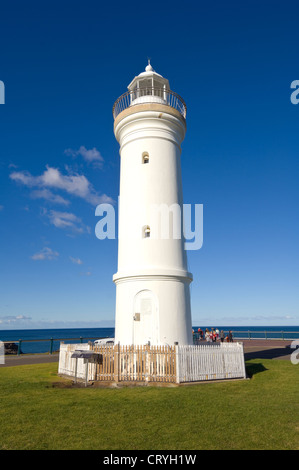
<point x="195" y="325"/>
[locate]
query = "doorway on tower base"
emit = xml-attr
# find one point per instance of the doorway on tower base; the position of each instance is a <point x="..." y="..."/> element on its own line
<point x="146" y="318"/>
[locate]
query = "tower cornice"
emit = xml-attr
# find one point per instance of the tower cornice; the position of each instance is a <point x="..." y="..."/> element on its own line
<point x="150" y="120"/>
<point x="159" y="107"/>
<point x="153" y="275"/>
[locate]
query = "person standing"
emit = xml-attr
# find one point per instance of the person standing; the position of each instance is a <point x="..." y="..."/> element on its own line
<point x="221" y="336"/>
<point x="200" y="334"/>
<point x="213" y="335"/>
<point x="207" y="335"/>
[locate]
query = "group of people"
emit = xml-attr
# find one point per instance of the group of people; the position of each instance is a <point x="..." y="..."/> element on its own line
<point x="213" y="335"/>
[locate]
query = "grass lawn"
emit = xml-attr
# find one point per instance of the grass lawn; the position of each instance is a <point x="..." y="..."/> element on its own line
<point x="260" y="413"/>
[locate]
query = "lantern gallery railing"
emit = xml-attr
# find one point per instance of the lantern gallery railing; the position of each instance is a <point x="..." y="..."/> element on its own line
<point x="149" y="95"/>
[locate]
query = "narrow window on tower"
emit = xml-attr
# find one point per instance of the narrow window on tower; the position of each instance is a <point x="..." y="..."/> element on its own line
<point x="146" y="231"/>
<point x="145" y="157"/>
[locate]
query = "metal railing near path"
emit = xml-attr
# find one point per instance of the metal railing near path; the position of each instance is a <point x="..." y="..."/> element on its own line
<point x="237" y="335"/>
<point x="50" y="341"/>
<point x="254" y="334"/>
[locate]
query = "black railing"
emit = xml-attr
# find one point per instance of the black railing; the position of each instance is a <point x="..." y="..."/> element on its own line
<point x="53" y="343"/>
<point x="149" y="95"/>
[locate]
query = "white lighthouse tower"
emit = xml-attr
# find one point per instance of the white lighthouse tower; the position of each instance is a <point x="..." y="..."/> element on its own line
<point x="152" y="281"/>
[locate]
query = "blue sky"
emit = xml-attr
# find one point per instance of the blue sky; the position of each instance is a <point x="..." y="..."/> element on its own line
<point x="63" y="65"/>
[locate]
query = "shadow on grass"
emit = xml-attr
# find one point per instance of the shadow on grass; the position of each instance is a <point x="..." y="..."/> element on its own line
<point x="253" y="369"/>
<point x="273" y="353"/>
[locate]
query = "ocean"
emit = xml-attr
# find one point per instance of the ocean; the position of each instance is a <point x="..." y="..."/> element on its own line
<point x="39" y="341"/>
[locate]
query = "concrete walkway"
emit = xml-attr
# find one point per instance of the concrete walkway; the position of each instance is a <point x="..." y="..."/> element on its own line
<point x="267" y="349"/>
<point x="25" y="359"/>
<point x="253" y="349"/>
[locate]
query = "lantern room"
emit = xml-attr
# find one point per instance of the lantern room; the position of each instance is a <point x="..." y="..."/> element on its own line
<point x="149" y="86"/>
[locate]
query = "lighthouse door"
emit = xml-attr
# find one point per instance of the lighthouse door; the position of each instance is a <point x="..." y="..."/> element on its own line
<point x="145" y="324"/>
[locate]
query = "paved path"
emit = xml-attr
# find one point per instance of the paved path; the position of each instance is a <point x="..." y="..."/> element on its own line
<point x="253" y="349"/>
<point x="267" y="349"/>
<point x="11" y="360"/>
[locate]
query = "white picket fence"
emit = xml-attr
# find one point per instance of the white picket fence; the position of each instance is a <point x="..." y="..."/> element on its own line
<point x="176" y="364"/>
<point x="210" y="362"/>
<point x="77" y="368"/>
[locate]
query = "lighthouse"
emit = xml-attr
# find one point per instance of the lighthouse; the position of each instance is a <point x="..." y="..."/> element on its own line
<point x="152" y="279"/>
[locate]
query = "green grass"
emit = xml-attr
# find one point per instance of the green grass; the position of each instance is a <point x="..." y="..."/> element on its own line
<point x="260" y="413"/>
